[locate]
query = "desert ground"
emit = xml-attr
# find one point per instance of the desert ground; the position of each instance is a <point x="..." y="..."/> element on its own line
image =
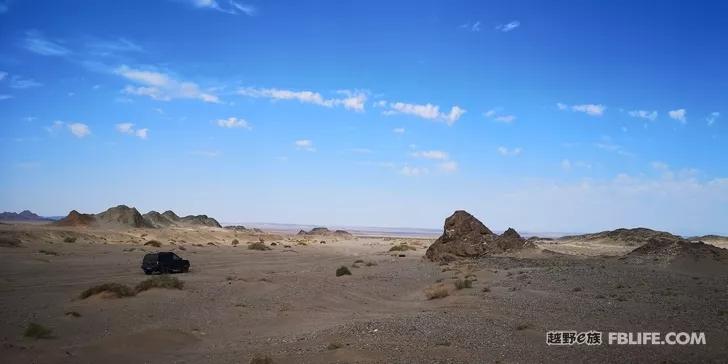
<point x="287" y="305"/>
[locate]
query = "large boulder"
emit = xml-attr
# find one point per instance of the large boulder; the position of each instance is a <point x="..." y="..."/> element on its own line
<point x="464" y="236"/>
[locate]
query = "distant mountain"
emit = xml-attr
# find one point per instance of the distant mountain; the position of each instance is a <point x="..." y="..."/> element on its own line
<point x="123" y="216"/>
<point x="22" y="216"/>
<point x="623" y="236"/>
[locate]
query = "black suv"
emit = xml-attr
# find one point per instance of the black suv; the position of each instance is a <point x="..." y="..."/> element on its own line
<point x="164" y="262"/>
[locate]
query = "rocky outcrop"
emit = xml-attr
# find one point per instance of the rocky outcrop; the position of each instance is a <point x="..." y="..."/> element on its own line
<point x="123" y="216"/>
<point x="464" y="236"/>
<point x="158" y="220"/>
<point x="629" y="237"/>
<point x="76" y="218"/>
<point x="200" y="220"/>
<point x="671" y="250"/>
<point x="322" y="231"/>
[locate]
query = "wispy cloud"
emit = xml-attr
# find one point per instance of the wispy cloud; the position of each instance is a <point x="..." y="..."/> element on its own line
<point x="606" y="144"/>
<point x="448" y="167"/>
<point x="496" y="115"/>
<point x="161" y="86"/>
<point x="508" y="27"/>
<point x="568" y="165"/>
<point x="18" y="82"/>
<point x="398" y="130"/>
<point x="643" y="114"/>
<point x="110" y="47"/>
<point x="413" y="171"/>
<point x="506" y="152"/>
<point x="425" y="111"/>
<point x="589" y="109"/>
<point x="35" y="42"/>
<point x="206" y="153"/>
<point x="472" y="27"/>
<point x="230" y="7"/>
<point x="679" y="115"/>
<point x="5" y="97"/>
<point x="431" y="154"/>
<point x="361" y="150"/>
<point x="233" y="122"/>
<point x="128" y="128"/>
<point x="350" y="100"/>
<point x="304" y="144"/>
<point x="3" y="75"/>
<point x="712" y="118"/>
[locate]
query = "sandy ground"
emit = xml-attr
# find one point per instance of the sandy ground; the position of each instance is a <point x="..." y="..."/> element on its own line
<point x="287" y="303"/>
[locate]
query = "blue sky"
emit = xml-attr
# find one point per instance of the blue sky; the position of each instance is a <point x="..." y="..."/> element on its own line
<point x="544" y="116"/>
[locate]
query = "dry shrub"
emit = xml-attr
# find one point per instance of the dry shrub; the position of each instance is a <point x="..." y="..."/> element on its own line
<point x="343" y="271"/>
<point x="258" y="246"/>
<point x="261" y="359"/>
<point x="69" y="239"/>
<point x="463" y="283"/>
<point x="37" y="331"/>
<point x="436" y="291"/>
<point x="115" y="290"/>
<point x="153" y="243"/>
<point x="161" y="281"/>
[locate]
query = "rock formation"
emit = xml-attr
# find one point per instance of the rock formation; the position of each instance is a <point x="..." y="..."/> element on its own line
<point x="322" y="231"/>
<point x="464" y="236"/>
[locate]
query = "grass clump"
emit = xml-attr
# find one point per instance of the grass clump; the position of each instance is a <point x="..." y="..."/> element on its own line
<point x="161" y="281"/>
<point x="37" y="331"/>
<point x="258" y="246"/>
<point x="436" y="291"/>
<point x="463" y="283"/>
<point x="334" y="346"/>
<point x="521" y="327"/>
<point x="69" y="239"/>
<point x="403" y="247"/>
<point x="115" y="290"/>
<point x="153" y="243"/>
<point x="261" y="359"/>
<point x="47" y="252"/>
<point x="73" y="314"/>
<point x="343" y="271"/>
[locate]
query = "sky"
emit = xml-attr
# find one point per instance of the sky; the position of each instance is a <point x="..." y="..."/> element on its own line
<point x="545" y="116"/>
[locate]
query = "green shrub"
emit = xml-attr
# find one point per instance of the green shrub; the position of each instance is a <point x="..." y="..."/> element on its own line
<point x="401" y="248"/>
<point x="161" y="281"/>
<point x="37" y="331"/>
<point x="343" y="271"/>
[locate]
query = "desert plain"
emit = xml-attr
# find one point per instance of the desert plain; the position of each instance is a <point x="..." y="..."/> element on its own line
<point x="285" y="303"/>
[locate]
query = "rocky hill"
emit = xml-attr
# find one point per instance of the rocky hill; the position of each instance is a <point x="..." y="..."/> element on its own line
<point x="25" y="215"/>
<point x="464" y="236"/>
<point x="322" y="231"/>
<point x="123" y="216"/>
<point x="671" y="250"/>
<point x="630" y="237"/>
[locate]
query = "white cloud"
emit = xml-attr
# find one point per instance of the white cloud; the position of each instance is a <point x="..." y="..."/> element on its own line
<point x="506" y="152"/>
<point x="231" y="7"/>
<point x="413" y="171"/>
<point x="3" y="75"/>
<point x="80" y="130"/>
<point x="712" y="118"/>
<point x="351" y="100"/>
<point x="233" y="122"/>
<point x="128" y="128"/>
<point x="304" y="144"/>
<point x="425" y="111"/>
<point x="679" y="115"/>
<point x="5" y="97"/>
<point x="495" y="114"/>
<point x="206" y="153"/>
<point x="644" y="114"/>
<point x="36" y="43"/>
<point x="398" y="130"/>
<point x="566" y="165"/>
<point x="589" y="109"/>
<point x="508" y="27"/>
<point x="432" y="154"/>
<point x="449" y="166"/>
<point x="160" y="86"/>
